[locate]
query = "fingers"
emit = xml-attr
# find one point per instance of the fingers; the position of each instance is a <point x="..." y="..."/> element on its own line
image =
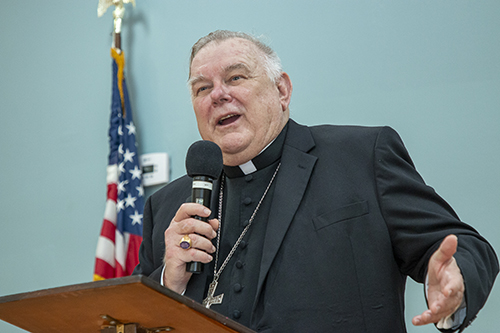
<point x="184" y="222"/>
<point x="446" y="288"/>
<point x="440" y="309"/>
<point x="197" y="243"/>
<point x="430" y="316"/>
<point x="423" y="319"/>
<point x="201" y="233"/>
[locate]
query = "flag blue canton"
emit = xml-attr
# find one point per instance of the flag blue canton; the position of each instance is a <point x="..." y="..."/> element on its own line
<point x="123" y="152"/>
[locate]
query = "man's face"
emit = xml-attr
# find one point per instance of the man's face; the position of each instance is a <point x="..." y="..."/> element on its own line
<point x="237" y="106"/>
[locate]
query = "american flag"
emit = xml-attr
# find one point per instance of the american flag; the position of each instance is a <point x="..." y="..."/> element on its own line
<point x="121" y="233"/>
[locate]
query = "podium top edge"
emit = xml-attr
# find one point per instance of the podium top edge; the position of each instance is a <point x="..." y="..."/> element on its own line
<point x="81" y="286"/>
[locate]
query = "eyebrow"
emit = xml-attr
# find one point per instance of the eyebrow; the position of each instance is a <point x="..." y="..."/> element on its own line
<point x="192" y="81"/>
<point x="232" y="67"/>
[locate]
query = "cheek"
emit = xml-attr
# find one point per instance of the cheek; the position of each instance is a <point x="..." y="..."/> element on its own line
<point x="268" y="108"/>
<point x="200" y="110"/>
<point x="201" y="119"/>
<point x="203" y="129"/>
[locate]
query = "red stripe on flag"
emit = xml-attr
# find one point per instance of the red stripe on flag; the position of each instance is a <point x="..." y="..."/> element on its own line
<point x="112" y="191"/>
<point x="119" y="272"/>
<point x="108" y="230"/>
<point x="103" y="269"/>
<point x="133" y="252"/>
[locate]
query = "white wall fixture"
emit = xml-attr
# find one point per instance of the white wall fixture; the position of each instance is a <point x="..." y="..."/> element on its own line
<point x="154" y="168"/>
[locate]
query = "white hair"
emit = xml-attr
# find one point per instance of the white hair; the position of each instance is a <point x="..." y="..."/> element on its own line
<point x="271" y="63"/>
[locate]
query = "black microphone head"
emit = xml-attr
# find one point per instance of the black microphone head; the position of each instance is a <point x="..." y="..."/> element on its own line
<point x="204" y="158"/>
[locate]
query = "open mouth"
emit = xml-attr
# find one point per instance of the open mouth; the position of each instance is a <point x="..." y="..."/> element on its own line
<point x="229" y="119"/>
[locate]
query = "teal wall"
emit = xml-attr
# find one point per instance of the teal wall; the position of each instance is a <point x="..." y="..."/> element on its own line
<point x="430" y="69"/>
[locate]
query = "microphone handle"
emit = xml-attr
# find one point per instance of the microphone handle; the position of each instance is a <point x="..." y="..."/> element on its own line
<point x="202" y="194"/>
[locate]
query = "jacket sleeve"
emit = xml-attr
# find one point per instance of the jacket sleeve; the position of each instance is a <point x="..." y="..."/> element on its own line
<point x="147" y="264"/>
<point x="418" y="220"/>
<point x="159" y="210"/>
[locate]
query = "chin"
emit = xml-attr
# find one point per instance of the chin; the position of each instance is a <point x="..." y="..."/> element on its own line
<point x="234" y="143"/>
<point x="231" y="149"/>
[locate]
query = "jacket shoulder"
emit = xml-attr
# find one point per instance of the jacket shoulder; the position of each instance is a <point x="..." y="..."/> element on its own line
<point x="174" y="193"/>
<point x="350" y="132"/>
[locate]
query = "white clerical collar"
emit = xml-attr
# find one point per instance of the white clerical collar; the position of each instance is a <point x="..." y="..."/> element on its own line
<point x="248" y="167"/>
<point x="267" y="156"/>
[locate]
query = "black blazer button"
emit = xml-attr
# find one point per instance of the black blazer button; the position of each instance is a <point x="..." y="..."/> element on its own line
<point x="236" y="314"/>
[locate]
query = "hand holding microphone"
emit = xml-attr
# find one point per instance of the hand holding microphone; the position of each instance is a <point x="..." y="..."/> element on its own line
<point x="204" y="165"/>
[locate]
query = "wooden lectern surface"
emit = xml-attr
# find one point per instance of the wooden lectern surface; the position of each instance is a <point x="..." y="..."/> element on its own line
<point x="134" y="299"/>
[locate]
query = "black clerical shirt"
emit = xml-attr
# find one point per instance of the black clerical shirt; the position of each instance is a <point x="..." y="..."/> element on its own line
<point x="242" y="193"/>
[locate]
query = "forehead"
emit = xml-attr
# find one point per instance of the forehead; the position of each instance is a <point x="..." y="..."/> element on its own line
<point x="220" y="55"/>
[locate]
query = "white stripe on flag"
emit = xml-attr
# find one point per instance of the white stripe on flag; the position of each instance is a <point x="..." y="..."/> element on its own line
<point x="105" y="250"/>
<point x="121" y="241"/>
<point x="112" y="174"/>
<point x="110" y="211"/>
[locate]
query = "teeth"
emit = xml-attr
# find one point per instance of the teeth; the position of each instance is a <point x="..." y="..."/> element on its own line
<point x="226" y="117"/>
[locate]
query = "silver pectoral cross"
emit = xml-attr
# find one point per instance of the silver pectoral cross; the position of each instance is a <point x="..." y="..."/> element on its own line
<point x="207" y="302"/>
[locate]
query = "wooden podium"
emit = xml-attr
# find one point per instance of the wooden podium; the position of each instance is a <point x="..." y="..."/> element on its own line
<point x="134" y="304"/>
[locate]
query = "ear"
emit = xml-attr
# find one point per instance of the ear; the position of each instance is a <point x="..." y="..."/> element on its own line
<point x="285" y="90"/>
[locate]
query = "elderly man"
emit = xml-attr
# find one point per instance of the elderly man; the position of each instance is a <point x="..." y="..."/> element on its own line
<point x="314" y="229"/>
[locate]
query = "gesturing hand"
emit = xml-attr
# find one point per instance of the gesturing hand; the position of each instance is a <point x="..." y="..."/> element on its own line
<point x="201" y="233"/>
<point x="445" y="284"/>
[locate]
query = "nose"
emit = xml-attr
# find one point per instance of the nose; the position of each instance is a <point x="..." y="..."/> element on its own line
<point x="220" y="94"/>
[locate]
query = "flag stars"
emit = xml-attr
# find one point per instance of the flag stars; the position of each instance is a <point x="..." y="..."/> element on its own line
<point x="120" y="205"/>
<point x="130" y="201"/>
<point x="120" y="131"/>
<point x="136" y="173"/>
<point x="136" y="218"/>
<point x="140" y="189"/>
<point x="131" y="128"/>
<point x="128" y="155"/>
<point x="121" y="167"/>
<point x="121" y="186"/>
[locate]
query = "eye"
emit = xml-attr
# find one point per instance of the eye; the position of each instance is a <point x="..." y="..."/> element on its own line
<point x="236" y="77"/>
<point x="201" y="89"/>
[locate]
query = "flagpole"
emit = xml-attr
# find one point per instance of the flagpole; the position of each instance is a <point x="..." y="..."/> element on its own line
<point x="118" y="14"/>
<point x="116" y="46"/>
<point x="118" y="42"/>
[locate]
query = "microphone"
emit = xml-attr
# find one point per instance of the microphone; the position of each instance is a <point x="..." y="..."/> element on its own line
<point x="203" y="164"/>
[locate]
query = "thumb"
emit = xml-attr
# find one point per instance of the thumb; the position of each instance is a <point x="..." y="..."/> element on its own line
<point x="446" y="250"/>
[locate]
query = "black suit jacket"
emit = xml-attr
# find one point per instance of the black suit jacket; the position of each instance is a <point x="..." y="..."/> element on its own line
<point x="351" y="218"/>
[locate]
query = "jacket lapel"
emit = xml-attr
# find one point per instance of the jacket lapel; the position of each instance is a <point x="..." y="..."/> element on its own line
<point x="291" y="183"/>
